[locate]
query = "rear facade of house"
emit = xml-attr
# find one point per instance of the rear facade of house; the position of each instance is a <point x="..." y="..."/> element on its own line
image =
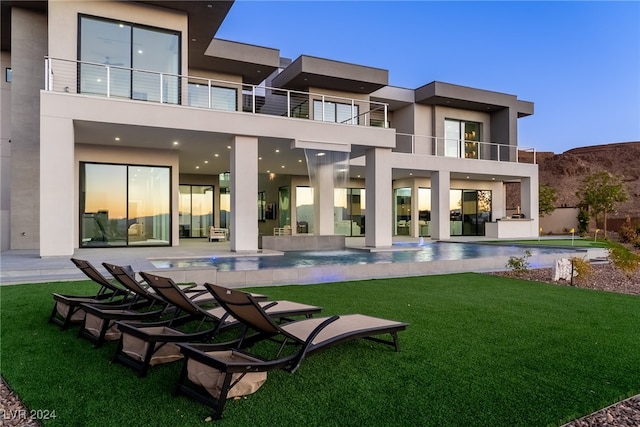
<point x="128" y="124"/>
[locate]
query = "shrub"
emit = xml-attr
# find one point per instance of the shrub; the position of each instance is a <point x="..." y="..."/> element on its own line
<point x="623" y="258"/>
<point x="519" y="263"/>
<point x="583" y="269"/>
<point x="583" y="221"/>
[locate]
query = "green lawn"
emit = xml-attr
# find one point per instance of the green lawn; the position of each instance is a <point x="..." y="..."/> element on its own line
<point x="479" y="351"/>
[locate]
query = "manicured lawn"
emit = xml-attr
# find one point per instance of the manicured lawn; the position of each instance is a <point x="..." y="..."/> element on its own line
<point x="479" y="351"/>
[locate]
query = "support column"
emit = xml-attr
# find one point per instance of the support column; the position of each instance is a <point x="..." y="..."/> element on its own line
<point x="529" y="202"/>
<point x="378" y="185"/>
<point x="58" y="191"/>
<point x="244" y="194"/>
<point x="440" y="215"/>
<point x="414" y="230"/>
<point x="323" y="201"/>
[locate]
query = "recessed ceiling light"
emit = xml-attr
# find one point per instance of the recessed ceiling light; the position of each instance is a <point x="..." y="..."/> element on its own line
<point x="493" y="179"/>
<point x="206" y="161"/>
<point x="175" y="143"/>
<point x="98" y="80"/>
<point x="410" y="173"/>
<point x="197" y="167"/>
<point x="259" y="158"/>
<point x="320" y="154"/>
<point x="228" y="147"/>
<point x="467" y="176"/>
<point x="300" y="161"/>
<point x="209" y="5"/>
<point x="277" y="151"/>
<point x="117" y="138"/>
<point x="268" y="171"/>
<point x="358" y="176"/>
<point x="216" y="155"/>
<point x="193" y="40"/>
<point x="282" y="166"/>
<point x="139" y="50"/>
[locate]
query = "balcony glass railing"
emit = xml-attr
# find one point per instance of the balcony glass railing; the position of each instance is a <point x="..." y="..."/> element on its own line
<point x="447" y="147"/>
<point x="112" y="81"/>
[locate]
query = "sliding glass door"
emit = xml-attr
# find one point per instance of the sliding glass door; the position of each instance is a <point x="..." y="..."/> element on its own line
<point x="196" y="210"/>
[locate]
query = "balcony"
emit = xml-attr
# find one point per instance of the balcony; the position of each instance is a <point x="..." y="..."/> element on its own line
<point x="465" y="149"/>
<point x="113" y="81"/>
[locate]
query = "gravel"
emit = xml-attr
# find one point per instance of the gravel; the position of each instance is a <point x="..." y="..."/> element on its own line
<point x="604" y="277"/>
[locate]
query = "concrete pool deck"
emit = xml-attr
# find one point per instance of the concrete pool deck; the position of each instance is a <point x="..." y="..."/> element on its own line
<point x="26" y="266"/>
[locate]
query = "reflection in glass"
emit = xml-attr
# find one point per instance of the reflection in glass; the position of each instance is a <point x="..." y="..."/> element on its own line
<point x="455" y="212"/>
<point x="402" y="211"/>
<point x="335" y="112"/>
<point x="284" y="206"/>
<point x="196" y="210"/>
<point x="424" y="211"/>
<point x="124" y="205"/>
<point x="304" y="210"/>
<point x="103" y="205"/>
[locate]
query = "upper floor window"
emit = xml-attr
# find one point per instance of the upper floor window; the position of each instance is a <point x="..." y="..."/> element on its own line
<point x="335" y="112"/>
<point x="8" y="75"/>
<point x="461" y="139"/>
<point x="128" y="60"/>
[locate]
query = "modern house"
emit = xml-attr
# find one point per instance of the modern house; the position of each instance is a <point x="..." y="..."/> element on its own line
<point x="127" y="123"/>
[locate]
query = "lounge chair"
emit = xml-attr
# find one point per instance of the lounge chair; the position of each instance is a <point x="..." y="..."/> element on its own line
<point x="99" y="322"/>
<point x="67" y="309"/>
<point x="147" y="344"/>
<point x="212" y="374"/>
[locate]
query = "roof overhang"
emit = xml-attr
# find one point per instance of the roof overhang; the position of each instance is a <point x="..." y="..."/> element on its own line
<point x="462" y="97"/>
<point x="253" y="63"/>
<point x="309" y="71"/>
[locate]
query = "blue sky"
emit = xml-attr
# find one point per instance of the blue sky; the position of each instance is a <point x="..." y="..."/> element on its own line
<point x="577" y="61"/>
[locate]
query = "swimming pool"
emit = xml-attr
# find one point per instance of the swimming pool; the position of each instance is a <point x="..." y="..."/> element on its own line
<point x="438" y="251"/>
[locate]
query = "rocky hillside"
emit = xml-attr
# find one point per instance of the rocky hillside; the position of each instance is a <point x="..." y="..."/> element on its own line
<point x="565" y="172"/>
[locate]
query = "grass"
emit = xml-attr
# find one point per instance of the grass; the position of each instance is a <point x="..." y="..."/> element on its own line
<point x="480" y="351"/>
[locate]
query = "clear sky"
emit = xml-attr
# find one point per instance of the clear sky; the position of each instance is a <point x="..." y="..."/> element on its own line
<point x="577" y="61"/>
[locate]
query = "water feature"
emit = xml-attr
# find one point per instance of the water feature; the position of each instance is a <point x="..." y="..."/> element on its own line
<point x="300" y="259"/>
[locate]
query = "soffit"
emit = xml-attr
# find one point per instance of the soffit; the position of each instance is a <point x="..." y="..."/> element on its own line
<point x="448" y="95"/>
<point x="308" y="71"/>
<point x="253" y="63"/>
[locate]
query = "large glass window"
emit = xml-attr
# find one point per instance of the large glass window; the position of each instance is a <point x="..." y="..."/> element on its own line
<point x="304" y="210"/>
<point x="284" y="206"/>
<point x="349" y="211"/>
<point x="124" y="205"/>
<point x="424" y="211"/>
<point x="470" y="210"/>
<point x="196" y="210"/>
<point x="461" y="139"/>
<point x="335" y="112"/>
<point x="115" y="48"/>
<point x="403" y="211"/>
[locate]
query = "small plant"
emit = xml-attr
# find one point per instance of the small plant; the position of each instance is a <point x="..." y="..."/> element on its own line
<point x="623" y="258"/>
<point x="583" y="221"/>
<point x="582" y="268"/>
<point x="519" y="263"/>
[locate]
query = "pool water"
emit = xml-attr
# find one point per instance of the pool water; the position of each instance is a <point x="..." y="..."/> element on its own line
<point x="296" y="259"/>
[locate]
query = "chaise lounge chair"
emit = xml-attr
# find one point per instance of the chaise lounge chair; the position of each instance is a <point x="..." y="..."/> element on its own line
<point x="67" y="309"/>
<point x="224" y="373"/>
<point x="147" y="344"/>
<point x="99" y="322"/>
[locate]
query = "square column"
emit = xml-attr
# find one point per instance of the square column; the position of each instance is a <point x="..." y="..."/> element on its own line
<point x="244" y="194"/>
<point x="440" y="215"/>
<point x="529" y="202"/>
<point x="323" y="201"/>
<point x="58" y="191"/>
<point x="379" y="193"/>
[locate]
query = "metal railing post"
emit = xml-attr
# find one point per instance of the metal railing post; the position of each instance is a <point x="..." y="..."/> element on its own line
<point x="386" y="120"/>
<point x="253" y="102"/>
<point x="288" y="103"/>
<point x="323" y="108"/>
<point x="108" y="81"/>
<point x="161" y="90"/>
<point x="47" y="74"/>
<point x="353" y="112"/>
<point x="209" y="91"/>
